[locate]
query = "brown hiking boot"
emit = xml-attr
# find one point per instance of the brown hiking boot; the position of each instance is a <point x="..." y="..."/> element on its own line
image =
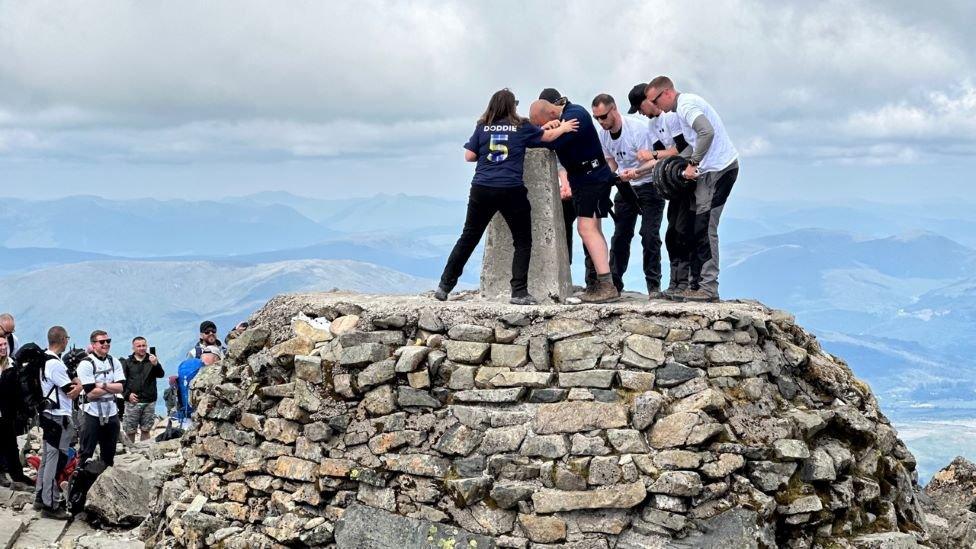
<point x="673" y="294"/>
<point x="700" y="296"/>
<point x="601" y="292"/>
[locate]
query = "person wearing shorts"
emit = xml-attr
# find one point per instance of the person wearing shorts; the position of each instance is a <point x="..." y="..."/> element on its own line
<point x="141" y="369"/>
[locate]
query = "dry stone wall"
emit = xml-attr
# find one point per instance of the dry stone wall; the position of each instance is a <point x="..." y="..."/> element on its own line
<point x="367" y="421"/>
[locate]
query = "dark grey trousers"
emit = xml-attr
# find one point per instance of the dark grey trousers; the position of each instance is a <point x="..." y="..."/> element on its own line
<point x="58" y="432"/>
<point x="711" y="193"/>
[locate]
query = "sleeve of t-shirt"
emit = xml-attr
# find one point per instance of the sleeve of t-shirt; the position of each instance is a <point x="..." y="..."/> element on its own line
<point x="531" y="134"/>
<point x="119" y="375"/>
<point x="472" y="144"/>
<point x="569" y="136"/>
<point x="86" y="372"/>
<point x="689" y="110"/>
<point x="57" y="373"/>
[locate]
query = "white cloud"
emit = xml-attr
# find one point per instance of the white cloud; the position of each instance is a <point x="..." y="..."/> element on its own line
<point x="258" y="80"/>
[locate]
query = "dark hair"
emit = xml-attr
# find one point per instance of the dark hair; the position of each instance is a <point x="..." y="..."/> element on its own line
<point x="501" y="108"/>
<point x="94" y="335"/>
<point x="138" y="338"/>
<point x="604" y="99"/>
<point x="56" y="335"/>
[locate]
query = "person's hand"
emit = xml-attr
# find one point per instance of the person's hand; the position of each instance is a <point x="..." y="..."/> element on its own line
<point x="645" y="156"/>
<point x="627" y="174"/>
<point x="565" y="192"/>
<point x="570" y="125"/>
<point x="691" y="172"/>
<point x="153" y="360"/>
<point x="133" y="398"/>
<point x="551" y="125"/>
<point x="75" y="391"/>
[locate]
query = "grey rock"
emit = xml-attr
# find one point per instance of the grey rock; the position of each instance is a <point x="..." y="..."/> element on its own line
<point x="690" y="387"/>
<point x="430" y="322"/>
<point x="574" y="417"/>
<point x="673" y="374"/>
<point x="645" y="406"/>
<point x="818" y="467"/>
<point x="710" y="336"/>
<point x="677" y="483"/>
<point x="468" y="491"/>
<point x="547" y="446"/>
<point x="770" y="476"/>
<point x="573" y="355"/>
<point x="459" y="440"/>
<point x="886" y="540"/>
<point x="503" y="440"/>
<point x="361" y="355"/>
<point x="376" y="373"/>
<point x="547" y="395"/>
<point x="462" y="378"/>
<point x="724" y="466"/>
<point x="803" y="504"/>
<point x="509" y="356"/>
<point x="636" y="381"/>
<point x="308" y="368"/>
<point x="739" y="528"/>
<point x="507" y="494"/>
<point x="601" y="379"/>
<point x="561" y="328"/>
<point x="729" y="353"/>
<point x="411" y="357"/>
<point x="582" y="445"/>
<point x="123" y="496"/>
<point x="410" y="397"/>
<point x="536" y="380"/>
<point x="790" y="449"/>
<point x="466" y="352"/>
<point x="366" y="527"/>
<point x="709" y="400"/>
<point x="490" y="395"/>
<point x="249" y="342"/>
<point x="643" y="326"/>
<point x="471" y="332"/>
<point x="604" y="471"/>
<point x="379" y="401"/>
<point x="390" y="322"/>
<point x="677" y="459"/>
<point x="539" y="352"/>
<point x="627" y="441"/>
<point x="623" y="496"/>
<point x="422" y="465"/>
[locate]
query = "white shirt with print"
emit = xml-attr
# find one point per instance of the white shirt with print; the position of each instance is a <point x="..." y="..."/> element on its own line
<point x="53" y="378"/>
<point x="722" y="152"/>
<point x="634" y="136"/>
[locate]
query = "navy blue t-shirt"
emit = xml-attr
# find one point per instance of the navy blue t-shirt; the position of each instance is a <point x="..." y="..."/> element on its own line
<point x="501" y="151"/>
<point x="580" y="152"/>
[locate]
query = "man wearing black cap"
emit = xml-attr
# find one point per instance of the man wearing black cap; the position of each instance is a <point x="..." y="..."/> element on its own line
<point x="208" y="337"/>
<point x="566" y="195"/>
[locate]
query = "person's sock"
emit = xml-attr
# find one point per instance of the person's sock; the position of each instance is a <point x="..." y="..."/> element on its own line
<point x="606" y="277"/>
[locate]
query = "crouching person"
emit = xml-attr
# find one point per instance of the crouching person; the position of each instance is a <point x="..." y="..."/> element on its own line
<point x="103" y="378"/>
<point x="59" y="392"/>
<point x="141" y="370"/>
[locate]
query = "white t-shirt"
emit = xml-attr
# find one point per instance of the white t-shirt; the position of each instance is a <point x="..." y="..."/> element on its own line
<point x="634" y="136"/>
<point x="95" y="370"/>
<point x="53" y="378"/>
<point x="722" y="152"/>
<point x="665" y="127"/>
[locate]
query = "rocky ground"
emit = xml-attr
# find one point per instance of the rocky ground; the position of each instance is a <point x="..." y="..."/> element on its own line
<point x="118" y="503"/>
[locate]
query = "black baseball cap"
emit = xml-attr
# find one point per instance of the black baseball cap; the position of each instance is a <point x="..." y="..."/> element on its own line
<point x="551" y="95"/>
<point x="207" y="325"/>
<point x="636" y="97"/>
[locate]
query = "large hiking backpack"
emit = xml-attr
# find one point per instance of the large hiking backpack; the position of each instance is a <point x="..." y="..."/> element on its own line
<point x="187" y="370"/>
<point x="80" y="483"/>
<point x="30" y="360"/>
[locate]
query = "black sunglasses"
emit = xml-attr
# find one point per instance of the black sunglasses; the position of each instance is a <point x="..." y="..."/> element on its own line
<point x="210" y="331"/>
<point x="103" y="342"/>
<point x="604" y="116"/>
<point x="658" y="96"/>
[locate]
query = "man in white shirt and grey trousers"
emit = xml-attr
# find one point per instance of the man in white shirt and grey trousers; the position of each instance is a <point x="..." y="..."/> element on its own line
<point x="714" y="163"/>
<point x="103" y="378"/>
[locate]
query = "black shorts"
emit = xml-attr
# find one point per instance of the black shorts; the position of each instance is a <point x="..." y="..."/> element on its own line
<point x="592" y="199"/>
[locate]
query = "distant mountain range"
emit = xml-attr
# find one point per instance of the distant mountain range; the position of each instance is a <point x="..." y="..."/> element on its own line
<point x="890" y="288"/>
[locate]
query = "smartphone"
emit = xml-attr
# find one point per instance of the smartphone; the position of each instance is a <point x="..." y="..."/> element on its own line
<point x="152" y="351"/>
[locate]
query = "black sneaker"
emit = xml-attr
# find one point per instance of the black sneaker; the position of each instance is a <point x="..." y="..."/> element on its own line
<point x="699" y="296"/>
<point x="56" y="514"/>
<point x="440" y="294"/>
<point x="523" y="300"/>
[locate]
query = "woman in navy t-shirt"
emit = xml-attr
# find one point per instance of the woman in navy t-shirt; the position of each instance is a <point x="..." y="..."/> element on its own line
<point x="498" y="146"/>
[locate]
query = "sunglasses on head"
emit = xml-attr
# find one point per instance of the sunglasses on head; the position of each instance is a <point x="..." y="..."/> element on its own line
<point x="103" y="342"/>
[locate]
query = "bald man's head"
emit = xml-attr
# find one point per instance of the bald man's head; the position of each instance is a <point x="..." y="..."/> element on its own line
<point x="542" y="111"/>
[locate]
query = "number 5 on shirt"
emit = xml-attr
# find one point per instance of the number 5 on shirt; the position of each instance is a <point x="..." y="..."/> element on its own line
<point x="499" y="151"/>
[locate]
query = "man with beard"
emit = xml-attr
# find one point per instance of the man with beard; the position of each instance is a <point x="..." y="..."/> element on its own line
<point x="208" y="338"/>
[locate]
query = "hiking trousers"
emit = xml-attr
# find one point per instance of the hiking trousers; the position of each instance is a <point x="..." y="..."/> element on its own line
<point x="711" y="193"/>
<point x="57" y="434"/>
<point x="650" y="208"/>
<point x="679" y="239"/>
<point x="483" y="203"/>
<point x="93" y="433"/>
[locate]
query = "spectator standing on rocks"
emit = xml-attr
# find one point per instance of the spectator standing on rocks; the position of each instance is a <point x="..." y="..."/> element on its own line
<point x="59" y="391"/>
<point x="103" y="378"/>
<point x="8" y="325"/>
<point x="208" y="337"/>
<point x="141" y="370"/>
<point x="622" y="138"/>
<point x="11" y="395"/>
<point x="590" y="180"/>
<point x="714" y="164"/>
<point x="498" y="146"/>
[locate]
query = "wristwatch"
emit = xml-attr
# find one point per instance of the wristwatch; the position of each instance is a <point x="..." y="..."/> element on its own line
<point x="654" y="155"/>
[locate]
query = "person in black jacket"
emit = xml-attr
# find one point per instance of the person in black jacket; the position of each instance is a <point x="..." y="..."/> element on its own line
<point x="10" y="398"/>
<point x="141" y="372"/>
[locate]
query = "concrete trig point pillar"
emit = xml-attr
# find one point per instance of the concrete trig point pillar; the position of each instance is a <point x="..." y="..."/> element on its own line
<point x="549" y="276"/>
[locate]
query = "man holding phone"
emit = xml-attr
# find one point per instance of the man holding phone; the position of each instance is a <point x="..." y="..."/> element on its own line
<point x="141" y="369"/>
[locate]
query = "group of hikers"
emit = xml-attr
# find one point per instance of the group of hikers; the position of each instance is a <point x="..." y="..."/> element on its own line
<point x="670" y="146"/>
<point x="85" y="397"/>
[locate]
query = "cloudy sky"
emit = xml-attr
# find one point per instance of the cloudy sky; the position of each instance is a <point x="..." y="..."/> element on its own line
<point x="826" y="100"/>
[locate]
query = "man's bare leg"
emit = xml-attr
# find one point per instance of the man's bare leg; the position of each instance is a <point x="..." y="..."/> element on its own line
<point x="596" y="244"/>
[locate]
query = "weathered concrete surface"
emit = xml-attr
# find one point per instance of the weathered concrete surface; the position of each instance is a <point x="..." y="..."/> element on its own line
<point x="549" y="276"/>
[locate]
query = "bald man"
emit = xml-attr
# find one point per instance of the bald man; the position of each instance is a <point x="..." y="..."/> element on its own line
<point x="590" y="180"/>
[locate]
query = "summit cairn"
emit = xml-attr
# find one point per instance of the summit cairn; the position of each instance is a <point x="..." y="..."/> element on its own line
<point x="476" y="424"/>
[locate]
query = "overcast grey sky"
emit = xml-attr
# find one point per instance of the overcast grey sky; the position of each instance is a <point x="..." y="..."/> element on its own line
<point x="824" y="100"/>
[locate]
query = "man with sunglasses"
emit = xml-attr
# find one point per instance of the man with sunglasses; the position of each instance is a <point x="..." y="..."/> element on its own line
<point x="714" y="164"/>
<point x="208" y="338"/>
<point x="623" y="137"/>
<point x="103" y="379"/>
